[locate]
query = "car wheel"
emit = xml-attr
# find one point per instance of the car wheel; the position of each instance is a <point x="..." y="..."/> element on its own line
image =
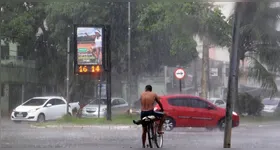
<point x="41" y="118"/>
<point x="222" y="124"/>
<point x="168" y="124"/>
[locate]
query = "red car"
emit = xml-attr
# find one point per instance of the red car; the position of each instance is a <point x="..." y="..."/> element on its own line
<point x="193" y="111"/>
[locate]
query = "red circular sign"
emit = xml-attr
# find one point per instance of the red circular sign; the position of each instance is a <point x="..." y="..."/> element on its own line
<point x="179" y="73"/>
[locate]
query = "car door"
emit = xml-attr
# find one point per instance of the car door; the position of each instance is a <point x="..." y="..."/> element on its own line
<point x="55" y="108"/>
<point x="61" y="107"/>
<point x="122" y="107"/>
<point x="179" y="110"/>
<point x="50" y="111"/>
<point x="201" y="115"/>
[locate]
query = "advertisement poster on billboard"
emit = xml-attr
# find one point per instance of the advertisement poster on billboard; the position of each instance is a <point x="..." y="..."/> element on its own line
<point x="89" y="45"/>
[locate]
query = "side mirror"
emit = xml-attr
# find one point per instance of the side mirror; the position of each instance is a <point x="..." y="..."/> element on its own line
<point x="48" y="105"/>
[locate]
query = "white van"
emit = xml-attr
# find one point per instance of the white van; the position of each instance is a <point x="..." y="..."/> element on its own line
<point x="271" y="104"/>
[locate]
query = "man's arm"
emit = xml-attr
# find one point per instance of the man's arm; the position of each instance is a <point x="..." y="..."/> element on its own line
<point x="159" y="103"/>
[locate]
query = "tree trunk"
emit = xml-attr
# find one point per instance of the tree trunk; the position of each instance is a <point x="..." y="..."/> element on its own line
<point x="205" y="70"/>
<point x="194" y="80"/>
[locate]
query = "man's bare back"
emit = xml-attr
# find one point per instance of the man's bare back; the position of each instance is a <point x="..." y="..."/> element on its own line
<point x="147" y="100"/>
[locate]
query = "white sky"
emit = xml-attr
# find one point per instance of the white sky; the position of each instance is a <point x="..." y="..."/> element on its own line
<point x="226" y="7"/>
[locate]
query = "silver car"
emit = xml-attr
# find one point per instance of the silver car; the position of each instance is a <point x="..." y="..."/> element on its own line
<point x="218" y="102"/>
<point x="119" y="106"/>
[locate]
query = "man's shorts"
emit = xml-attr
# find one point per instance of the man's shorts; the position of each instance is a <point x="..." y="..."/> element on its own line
<point x="151" y="113"/>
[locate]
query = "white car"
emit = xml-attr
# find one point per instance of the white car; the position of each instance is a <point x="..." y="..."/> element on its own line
<point x="271" y="105"/>
<point x="41" y="109"/>
<point x="218" y="102"/>
<point x="119" y="106"/>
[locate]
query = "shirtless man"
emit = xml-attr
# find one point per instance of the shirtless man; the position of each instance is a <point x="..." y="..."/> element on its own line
<point x="148" y="98"/>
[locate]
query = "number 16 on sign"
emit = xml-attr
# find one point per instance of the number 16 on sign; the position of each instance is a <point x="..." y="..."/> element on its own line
<point x="180" y="74"/>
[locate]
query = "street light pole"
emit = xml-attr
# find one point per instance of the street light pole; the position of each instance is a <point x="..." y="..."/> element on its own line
<point x="67" y="78"/>
<point x="129" y="60"/>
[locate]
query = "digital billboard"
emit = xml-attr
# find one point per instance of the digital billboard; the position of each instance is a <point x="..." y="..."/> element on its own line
<point x="89" y="45"/>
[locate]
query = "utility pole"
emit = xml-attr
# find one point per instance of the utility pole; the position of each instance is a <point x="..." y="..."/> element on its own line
<point x="67" y="77"/>
<point x="233" y="75"/>
<point x="129" y="61"/>
<point x="0" y="70"/>
<point x="0" y="74"/>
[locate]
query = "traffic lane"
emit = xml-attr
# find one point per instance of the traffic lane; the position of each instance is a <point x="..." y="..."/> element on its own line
<point x="18" y="136"/>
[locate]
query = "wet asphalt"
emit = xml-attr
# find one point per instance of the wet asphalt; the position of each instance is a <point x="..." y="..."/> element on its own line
<point x="265" y="135"/>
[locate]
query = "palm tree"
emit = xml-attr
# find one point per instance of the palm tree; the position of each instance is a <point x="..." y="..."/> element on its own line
<point x="259" y="42"/>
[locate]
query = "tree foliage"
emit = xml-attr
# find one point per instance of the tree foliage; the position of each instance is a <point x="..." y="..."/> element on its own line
<point x="248" y="104"/>
<point x="162" y="33"/>
<point x="259" y="42"/>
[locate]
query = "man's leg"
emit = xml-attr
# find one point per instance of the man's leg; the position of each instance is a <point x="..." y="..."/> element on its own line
<point x="144" y="133"/>
<point x="161" y="124"/>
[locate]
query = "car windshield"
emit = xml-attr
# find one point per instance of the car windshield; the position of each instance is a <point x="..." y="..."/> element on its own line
<point x="35" y="102"/>
<point x="96" y="102"/>
<point x="270" y="101"/>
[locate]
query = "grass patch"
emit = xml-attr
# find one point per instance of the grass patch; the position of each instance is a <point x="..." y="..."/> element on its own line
<point x="116" y="120"/>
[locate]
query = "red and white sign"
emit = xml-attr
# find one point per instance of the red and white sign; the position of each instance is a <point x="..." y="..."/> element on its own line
<point x="180" y="73"/>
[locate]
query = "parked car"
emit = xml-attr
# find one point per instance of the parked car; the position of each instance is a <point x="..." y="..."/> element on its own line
<point x="119" y="106"/>
<point x="218" y="102"/>
<point x="271" y="105"/>
<point x="41" y="109"/>
<point x="193" y="111"/>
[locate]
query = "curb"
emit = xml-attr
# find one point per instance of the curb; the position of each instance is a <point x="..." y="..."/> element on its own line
<point x="110" y="127"/>
<point x="260" y="124"/>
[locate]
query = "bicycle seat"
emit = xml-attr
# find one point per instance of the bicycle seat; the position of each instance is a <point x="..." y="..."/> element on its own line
<point x="149" y="118"/>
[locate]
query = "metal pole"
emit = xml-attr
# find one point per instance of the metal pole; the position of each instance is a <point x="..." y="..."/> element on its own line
<point x="232" y="81"/>
<point x="0" y="77"/>
<point x="108" y="75"/>
<point x="99" y="97"/>
<point x="129" y="60"/>
<point x="0" y="74"/>
<point x="67" y="78"/>
<point x="180" y="84"/>
<point x="22" y="92"/>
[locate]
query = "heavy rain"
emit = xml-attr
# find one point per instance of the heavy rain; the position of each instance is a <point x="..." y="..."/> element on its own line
<point x="92" y="74"/>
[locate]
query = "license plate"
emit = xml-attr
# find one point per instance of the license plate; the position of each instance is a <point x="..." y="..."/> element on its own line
<point x="19" y="115"/>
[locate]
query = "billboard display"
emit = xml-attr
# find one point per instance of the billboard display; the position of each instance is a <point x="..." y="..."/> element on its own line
<point x="89" y="45"/>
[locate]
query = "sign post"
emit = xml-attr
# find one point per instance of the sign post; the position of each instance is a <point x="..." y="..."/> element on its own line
<point x="180" y="74"/>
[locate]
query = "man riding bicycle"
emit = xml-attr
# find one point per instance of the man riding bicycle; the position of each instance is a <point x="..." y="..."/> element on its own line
<point x="148" y="99"/>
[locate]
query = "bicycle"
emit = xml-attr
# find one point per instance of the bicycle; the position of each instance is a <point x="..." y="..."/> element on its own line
<point x="152" y="124"/>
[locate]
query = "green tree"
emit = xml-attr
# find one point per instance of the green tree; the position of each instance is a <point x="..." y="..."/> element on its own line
<point x="184" y="20"/>
<point x="259" y="42"/>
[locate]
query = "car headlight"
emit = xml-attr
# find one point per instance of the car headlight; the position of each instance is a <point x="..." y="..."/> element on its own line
<point x="234" y="113"/>
<point x="33" y="110"/>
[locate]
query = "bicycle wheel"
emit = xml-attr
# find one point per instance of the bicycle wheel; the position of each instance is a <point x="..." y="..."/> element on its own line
<point x="158" y="138"/>
<point x="150" y="135"/>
